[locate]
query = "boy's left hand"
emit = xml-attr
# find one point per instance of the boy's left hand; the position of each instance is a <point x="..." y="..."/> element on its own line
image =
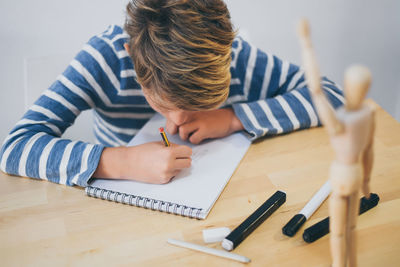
<point x="208" y="124"/>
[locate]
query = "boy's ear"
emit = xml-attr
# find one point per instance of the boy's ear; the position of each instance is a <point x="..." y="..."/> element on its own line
<point x="126" y="46"/>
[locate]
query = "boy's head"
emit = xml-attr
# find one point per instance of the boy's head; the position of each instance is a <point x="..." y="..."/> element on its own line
<point x="181" y="50"/>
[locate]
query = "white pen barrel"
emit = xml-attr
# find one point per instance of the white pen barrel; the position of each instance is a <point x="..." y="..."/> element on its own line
<point x="316" y="200"/>
<point x="212" y="251"/>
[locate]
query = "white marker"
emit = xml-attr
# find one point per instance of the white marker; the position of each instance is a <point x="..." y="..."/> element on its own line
<point x="299" y="219"/>
<point x="212" y="251"/>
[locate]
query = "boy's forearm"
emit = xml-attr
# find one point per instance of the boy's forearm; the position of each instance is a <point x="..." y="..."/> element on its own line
<point x="110" y="163"/>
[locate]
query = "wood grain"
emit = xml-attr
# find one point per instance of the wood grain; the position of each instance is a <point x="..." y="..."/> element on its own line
<point x="45" y="224"/>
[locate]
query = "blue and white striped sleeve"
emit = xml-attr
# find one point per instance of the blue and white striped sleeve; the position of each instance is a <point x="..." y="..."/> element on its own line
<point x="270" y="96"/>
<point x="34" y="147"/>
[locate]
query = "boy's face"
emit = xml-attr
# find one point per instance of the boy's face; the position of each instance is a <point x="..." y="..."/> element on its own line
<point x="173" y="114"/>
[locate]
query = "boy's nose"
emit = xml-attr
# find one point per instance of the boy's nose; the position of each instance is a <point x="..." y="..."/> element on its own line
<point x="178" y="117"/>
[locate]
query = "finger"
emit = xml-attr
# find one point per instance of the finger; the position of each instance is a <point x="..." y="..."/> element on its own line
<point x="187" y="129"/>
<point x="181" y="151"/>
<point x="171" y="127"/>
<point x="182" y="163"/>
<point x="197" y="137"/>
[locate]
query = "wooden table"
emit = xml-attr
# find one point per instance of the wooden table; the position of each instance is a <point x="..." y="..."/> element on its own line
<point x="47" y="224"/>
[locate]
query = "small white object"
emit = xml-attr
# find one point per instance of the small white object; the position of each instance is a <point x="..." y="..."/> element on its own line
<point x="212" y="251"/>
<point x="213" y="235"/>
<point x="316" y="200"/>
<point x="227" y="244"/>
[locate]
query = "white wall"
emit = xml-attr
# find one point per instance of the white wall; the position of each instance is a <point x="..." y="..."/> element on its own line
<point x="44" y="29"/>
<point x="343" y="32"/>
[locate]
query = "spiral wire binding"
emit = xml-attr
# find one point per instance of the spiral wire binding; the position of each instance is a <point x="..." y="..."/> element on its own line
<point x="143" y="202"/>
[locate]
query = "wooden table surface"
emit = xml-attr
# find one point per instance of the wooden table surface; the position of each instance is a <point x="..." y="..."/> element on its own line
<point x="42" y="223"/>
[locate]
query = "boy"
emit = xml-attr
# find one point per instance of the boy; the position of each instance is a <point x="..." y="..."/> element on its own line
<point x="179" y="58"/>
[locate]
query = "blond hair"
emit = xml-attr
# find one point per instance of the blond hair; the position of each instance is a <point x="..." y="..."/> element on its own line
<point x="181" y="50"/>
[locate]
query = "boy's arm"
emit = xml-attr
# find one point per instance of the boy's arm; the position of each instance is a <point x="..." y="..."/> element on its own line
<point x="34" y="147"/>
<point x="270" y="96"/>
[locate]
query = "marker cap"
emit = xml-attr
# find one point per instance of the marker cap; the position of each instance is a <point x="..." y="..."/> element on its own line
<point x="316" y="231"/>
<point x="213" y="235"/>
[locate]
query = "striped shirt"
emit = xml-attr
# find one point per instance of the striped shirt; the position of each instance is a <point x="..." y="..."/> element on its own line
<point x="268" y="95"/>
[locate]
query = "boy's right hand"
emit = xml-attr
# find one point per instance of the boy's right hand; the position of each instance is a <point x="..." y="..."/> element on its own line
<point x="150" y="163"/>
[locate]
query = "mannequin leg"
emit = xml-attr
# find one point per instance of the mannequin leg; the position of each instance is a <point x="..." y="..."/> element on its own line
<point x="367" y="161"/>
<point x="338" y="211"/>
<point x="346" y="182"/>
<point x="354" y="203"/>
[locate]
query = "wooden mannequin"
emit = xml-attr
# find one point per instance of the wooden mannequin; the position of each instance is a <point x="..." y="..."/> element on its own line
<point x="351" y="131"/>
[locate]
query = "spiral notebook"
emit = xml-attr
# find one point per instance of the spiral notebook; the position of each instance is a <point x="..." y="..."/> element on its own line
<point x="193" y="192"/>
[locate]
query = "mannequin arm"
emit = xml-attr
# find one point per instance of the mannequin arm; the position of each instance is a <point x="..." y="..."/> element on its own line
<point x="325" y="110"/>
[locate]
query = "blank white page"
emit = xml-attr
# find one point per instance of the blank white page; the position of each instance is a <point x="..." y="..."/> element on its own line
<point x="213" y="163"/>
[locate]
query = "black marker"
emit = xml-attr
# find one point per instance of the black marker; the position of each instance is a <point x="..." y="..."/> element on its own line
<point x="321" y="228"/>
<point x="291" y="228"/>
<point x="254" y="220"/>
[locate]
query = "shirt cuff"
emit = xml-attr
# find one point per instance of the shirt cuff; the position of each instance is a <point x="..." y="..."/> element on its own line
<point x="240" y="111"/>
<point x="92" y="163"/>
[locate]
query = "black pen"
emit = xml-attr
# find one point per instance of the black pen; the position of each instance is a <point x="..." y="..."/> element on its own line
<point x="254" y="220"/>
<point x="321" y="228"/>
